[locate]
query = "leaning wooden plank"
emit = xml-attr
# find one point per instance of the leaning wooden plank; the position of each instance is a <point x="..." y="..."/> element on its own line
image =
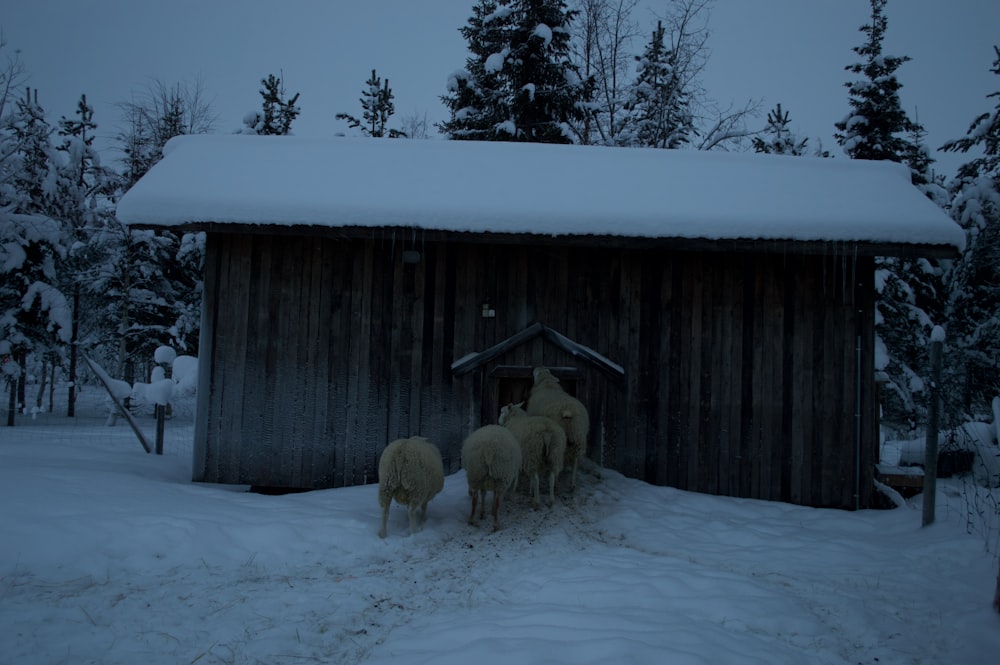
<point x="106" y="380"/>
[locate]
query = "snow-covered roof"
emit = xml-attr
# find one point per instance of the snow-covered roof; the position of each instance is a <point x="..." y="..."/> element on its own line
<point x="522" y="188"/>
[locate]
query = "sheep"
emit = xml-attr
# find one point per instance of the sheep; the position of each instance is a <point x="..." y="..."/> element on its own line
<point x="547" y="398"/>
<point x="543" y="447"/>
<point x="411" y="472"/>
<point x="491" y="458"/>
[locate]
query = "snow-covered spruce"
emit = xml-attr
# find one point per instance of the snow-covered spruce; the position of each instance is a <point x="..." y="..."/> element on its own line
<point x="491" y="458"/>
<point x="543" y="447"/>
<point x="547" y="398"/>
<point x="411" y="472"/>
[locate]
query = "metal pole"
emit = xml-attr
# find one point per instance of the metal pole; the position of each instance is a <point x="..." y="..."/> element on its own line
<point x="933" y="424"/>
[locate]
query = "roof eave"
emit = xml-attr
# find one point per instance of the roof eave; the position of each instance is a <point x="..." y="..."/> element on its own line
<point x="673" y="243"/>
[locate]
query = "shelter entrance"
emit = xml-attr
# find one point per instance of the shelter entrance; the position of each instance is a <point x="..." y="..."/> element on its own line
<point x="510" y="384"/>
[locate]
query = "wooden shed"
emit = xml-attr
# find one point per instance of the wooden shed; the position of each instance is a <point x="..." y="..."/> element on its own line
<point x="715" y="312"/>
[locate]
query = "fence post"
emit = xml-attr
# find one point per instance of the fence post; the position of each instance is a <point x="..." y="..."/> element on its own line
<point x="933" y="425"/>
<point x="160" y="417"/>
<point x="996" y="594"/>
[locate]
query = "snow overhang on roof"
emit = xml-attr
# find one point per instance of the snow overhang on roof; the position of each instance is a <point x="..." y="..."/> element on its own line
<point x="529" y="188"/>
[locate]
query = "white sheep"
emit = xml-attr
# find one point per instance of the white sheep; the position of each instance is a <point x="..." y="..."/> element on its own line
<point x="547" y="398"/>
<point x="411" y="472"/>
<point x="491" y="458"/>
<point x="543" y="447"/>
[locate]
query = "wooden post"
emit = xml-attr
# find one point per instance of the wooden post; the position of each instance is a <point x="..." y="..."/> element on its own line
<point x="996" y="594"/>
<point x="12" y="404"/>
<point x="160" y="417"/>
<point x="933" y="424"/>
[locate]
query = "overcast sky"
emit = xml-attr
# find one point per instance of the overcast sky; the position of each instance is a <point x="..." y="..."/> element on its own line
<point x="788" y="51"/>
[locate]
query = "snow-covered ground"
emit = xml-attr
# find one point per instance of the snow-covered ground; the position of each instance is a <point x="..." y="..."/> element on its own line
<point x="110" y="555"/>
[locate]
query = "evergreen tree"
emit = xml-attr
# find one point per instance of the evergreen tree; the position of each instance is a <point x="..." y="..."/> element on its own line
<point x="82" y="206"/>
<point x="520" y="83"/>
<point x="151" y="294"/>
<point x="910" y="296"/>
<point x="780" y="139"/>
<point x="476" y="98"/>
<point x="147" y="285"/>
<point x="877" y="126"/>
<point x="277" y="112"/>
<point x="547" y="88"/>
<point x="974" y="281"/>
<point x="377" y="108"/>
<point x="33" y="311"/>
<point x="657" y="110"/>
<point x="32" y="136"/>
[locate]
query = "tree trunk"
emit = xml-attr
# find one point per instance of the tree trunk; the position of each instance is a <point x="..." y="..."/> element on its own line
<point x="73" y="343"/>
<point x="52" y="387"/>
<point x="40" y="397"/>
<point x="22" y="380"/>
<point x="12" y="404"/>
<point x="996" y="594"/>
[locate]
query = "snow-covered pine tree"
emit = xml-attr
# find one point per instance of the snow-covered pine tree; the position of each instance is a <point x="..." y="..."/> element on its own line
<point x="520" y="83"/>
<point x="277" y="112"/>
<point x="974" y="280"/>
<point x="476" y="98"/>
<point x="910" y="294"/>
<point x="877" y="125"/>
<point x="151" y="287"/>
<point x="82" y="205"/>
<point x="918" y="158"/>
<point x="780" y="139"/>
<point x="548" y="92"/>
<point x="36" y="181"/>
<point x="657" y="111"/>
<point x="376" y="109"/>
<point x="149" y="284"/>
<point x="32" y="134"/>
<point x="33" y="311"/>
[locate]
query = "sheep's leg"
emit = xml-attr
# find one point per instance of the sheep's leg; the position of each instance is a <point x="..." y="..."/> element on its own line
<point x="411" y="511"/>
<point x="552" y="488"/>
<point x="473" y="495"/>
<point x="423" y="512"/>
<point x="385" y="518"/>
<point x="482" y="504"/>
<point x="535" y="500"/>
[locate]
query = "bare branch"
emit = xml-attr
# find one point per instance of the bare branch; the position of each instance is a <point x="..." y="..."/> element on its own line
<point x="602" y="46"/>
<point x="728" y="127"/>
<point x="415" y="125"/>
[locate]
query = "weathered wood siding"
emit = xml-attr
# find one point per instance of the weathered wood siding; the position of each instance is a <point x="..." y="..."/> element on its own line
<point x="741" y="370"/>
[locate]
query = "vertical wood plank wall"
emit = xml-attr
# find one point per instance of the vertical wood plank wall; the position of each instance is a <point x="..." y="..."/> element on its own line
<point x="740" y="369"/>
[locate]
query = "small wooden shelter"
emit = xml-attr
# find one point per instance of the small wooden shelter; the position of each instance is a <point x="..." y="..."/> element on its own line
<point x="715" y="312"/>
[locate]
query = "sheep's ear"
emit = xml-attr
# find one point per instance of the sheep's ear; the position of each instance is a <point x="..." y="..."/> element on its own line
<point x="520" y="404"/>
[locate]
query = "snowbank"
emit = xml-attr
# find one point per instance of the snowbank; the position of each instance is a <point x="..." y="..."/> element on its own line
<point x="110" y="555"/>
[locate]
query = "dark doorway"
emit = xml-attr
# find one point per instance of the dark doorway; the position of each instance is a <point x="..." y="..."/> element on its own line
<point x="510" y="384"/>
